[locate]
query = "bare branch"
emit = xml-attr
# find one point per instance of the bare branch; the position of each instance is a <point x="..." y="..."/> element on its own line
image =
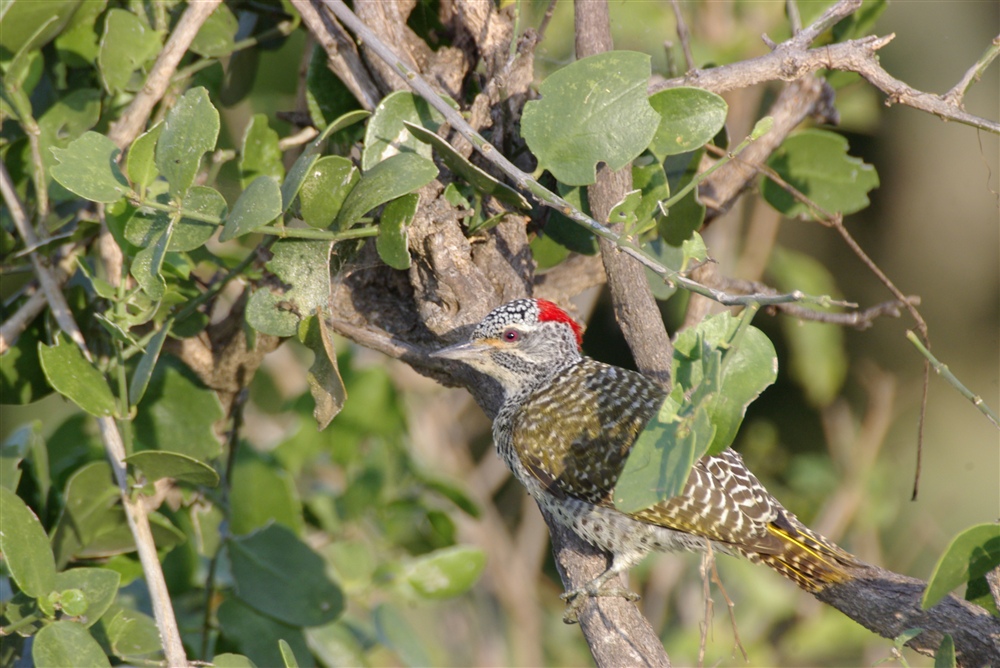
<point x="341" y="53"/>
<point x="683" y="35"/>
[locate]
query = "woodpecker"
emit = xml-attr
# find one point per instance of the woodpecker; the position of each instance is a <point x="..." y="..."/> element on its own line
<point x="565" y="429"/>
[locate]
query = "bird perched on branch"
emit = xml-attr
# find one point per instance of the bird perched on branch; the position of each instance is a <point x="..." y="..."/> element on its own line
<point x="565" y="429"/>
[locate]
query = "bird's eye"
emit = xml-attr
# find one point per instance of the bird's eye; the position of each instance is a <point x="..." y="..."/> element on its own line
<point x="511" y="335"/>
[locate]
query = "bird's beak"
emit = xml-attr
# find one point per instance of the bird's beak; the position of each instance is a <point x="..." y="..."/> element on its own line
<point x="461" y="351"/>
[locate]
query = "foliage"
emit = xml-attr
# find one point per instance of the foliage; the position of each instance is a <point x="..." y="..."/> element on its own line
<point x="323" y="545"/>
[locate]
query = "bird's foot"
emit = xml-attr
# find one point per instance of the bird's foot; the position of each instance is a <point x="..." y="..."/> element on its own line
<point x="575" y="598"/>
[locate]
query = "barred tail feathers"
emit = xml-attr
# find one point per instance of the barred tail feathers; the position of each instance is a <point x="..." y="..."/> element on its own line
<point x="807" y="559"/>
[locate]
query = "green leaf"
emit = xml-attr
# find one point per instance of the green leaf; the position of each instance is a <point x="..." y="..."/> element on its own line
<point x="623" y="212"/>
<point x="689" y="118"/>
<point x="257" y="206"/>
<point x="148" y="263"/>
<point x="25" y="547"/>
<point x="324" y="379"/>
<point x="232" y="661"/>
<point x="393" y="241"/>
<point x="131" y="634"/>
<point x="98" y="586"/>
<point x="325" y="188"/>
<point x="256" y="635"/>
<point x="140" y="163"/>
<point x="445" y="573"/>
<point x="670" y="257"/>
<point x="594" y="110"/>
<point x="77" y="44"/>
<point x="261" y="493"/>
<point x="287" y="655"/>
<point x="75" y="378"/>
<point x="386" y="134"/>
<point x="260" y="154"/>
<point x="217" y="35"/>
<point x="817" y="360"/>
<point x="144" y="369"/>
<point x="189" y="231"/>
<point x="817" y="164"/>
<point x="749" y="365"/>
<point x="190" y="130"/>
<point x="31" y="24"/>
<point x="386" y="181"/>
<point x="476" y="177"/>
<point x="970" y="555"/>
<point x="396" y="633"/>
<point x="88" y="167"/>
<point x="127" y="43"/>
<point x="182" y="468"/>
<point x="944" y="657"/>
<point x="335" y="644"/>
<point x="63" y="644"/>
<point x="302" y="166"/>
<point x="178" y="414"/>
<point x="280" y="576"/>
<point x="88" y="500"/>
<point x="659" y="464"/>
<point x="303" y="267"/>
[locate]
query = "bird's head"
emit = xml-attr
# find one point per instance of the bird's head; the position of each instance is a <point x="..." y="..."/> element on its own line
<point x="520" y="343"/>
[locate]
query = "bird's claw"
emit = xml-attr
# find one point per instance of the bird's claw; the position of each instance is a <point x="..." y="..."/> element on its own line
<point x="574" y="599"/>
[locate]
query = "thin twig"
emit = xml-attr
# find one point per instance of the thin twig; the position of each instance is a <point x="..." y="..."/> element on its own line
<point x="943" y="371"/>
<point x="549" y="11"/>
<point x="794" y="18"/>
<point x="15" y="325"/>
<point x="957" y="93"/>
<point x="135" y="511"/>
<point x="683" y="34"/>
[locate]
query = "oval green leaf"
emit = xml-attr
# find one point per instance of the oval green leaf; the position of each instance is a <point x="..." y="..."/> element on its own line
<point x="257" y="206"/>
<point x="98" y="585"/>
<point x="75" y="378"/>
<point x="393" y="241"/>
<point x="970" y="555"/>
<point x="689" y="118"/>
<point x="387" y="135"/>
<point x="88" y="167"/>
<point x="325" y="188"/>
<point x="63" y="644"/>
<point x="594" y="110"/>
<point x="386" y="181"/>
<point x="140" y="163"/>
<point x="260" y="154"/>
<point x="277" y="574"/>
<point x="190" y="130"/>
<point x="25" y="546"/>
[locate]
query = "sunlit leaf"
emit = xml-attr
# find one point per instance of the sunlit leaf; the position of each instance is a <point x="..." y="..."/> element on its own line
<point x="593" y="110"/>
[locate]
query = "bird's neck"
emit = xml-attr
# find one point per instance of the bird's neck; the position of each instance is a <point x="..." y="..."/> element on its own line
<point x="516" y="394"/>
